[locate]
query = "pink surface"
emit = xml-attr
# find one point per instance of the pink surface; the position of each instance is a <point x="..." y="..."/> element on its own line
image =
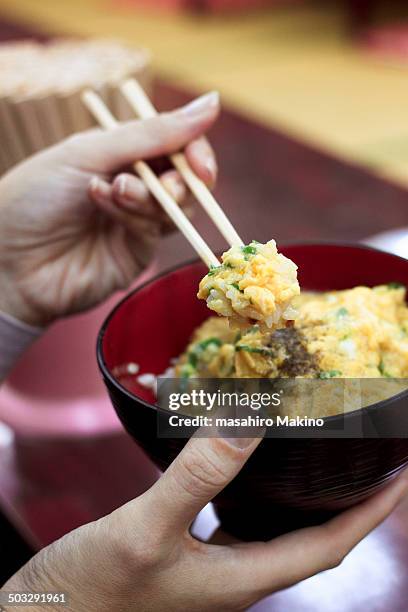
<point x="387" y="43"/>
<point x="56" y="388"/>
<point x="230" y="6"/>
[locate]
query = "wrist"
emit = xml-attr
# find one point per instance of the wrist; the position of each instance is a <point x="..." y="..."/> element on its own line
<point x="15" y="337"/>
<point x="17" y="307"/>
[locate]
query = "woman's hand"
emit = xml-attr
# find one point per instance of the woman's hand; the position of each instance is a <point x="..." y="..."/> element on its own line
<point x="69" y="235"/>
<point x="143" y="558"/>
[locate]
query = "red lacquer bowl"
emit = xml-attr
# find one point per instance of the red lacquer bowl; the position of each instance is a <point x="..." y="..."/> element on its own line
<point x="287" y="483"/>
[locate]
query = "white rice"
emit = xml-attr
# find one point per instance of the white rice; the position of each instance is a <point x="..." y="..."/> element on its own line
<point x="149" y="380"/>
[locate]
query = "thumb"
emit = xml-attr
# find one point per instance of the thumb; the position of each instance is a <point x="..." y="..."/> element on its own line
<point x="108" y="150"/>
<point x="203" y="468"/>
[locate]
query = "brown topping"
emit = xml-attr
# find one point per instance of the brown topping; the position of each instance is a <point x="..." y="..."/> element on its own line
<point x="297" y="361"/>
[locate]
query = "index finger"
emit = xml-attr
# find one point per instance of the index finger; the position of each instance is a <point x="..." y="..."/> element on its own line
<point x="104" y="151"/>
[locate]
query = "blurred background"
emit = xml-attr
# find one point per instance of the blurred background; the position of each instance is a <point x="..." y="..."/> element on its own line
<point x="333" y="73"/>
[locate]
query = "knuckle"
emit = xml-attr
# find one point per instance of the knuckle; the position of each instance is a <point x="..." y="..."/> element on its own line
<point x="134" y="553"/>
<point x="158" y="127"/>
<point x="75" y="141"/>
<point x="173" y="126"/>
<point x="335" y="553"/>
<point x="335" y="561"/>
<point x="146" y="554"/>
<point x="199" y="473"/>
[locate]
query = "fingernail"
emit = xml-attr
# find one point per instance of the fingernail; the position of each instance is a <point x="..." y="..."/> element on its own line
<point x="94" y="183"/>
<point x="241" y="443"/>
<point x="197" y="106"/>
<point x="123" y="198"/>
<point x="239" y="436"/>
<point x="211" y="166"/>
<point x="98" y="188"/>
<point x="122" y="186"/>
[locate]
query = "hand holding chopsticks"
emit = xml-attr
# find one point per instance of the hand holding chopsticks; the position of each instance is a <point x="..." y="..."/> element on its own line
<point x="144" y="108"/>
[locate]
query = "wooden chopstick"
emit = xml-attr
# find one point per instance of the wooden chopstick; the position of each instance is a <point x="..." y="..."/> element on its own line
<point x="104" y="117"/>
<point x="143" y="107"/>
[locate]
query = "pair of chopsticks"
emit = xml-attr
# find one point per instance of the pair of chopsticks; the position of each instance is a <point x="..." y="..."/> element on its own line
<point x="144" y="109"/>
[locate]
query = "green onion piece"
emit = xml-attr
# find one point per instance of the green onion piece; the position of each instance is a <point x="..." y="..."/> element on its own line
<point x="330" y="374"/>
<point x="205" y="343"/>
<point x="194" y="355"/>
<point x="213" y="270"/>
<point x="395" y="285"/>
<point x="382" y="370"/>
<point x="342" y="312"/>
<point x="255" y="349"/>
<point x="192" y="359"/>
<point x="187" y="370"/>
<point x="249" y="250"/>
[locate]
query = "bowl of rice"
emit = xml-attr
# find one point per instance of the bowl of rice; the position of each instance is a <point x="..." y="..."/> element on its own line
<point x="351" y="324"/>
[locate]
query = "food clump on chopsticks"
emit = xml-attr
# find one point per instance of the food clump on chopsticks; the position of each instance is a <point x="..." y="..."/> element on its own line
<point x="253" y="284"/>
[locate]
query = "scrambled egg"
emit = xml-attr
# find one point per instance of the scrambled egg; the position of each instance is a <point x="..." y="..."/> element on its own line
<point x="360" y="332"/>
<point x="355" y="333"/>
<point x="352" y="334"/>
<point x="253" y="284"/>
